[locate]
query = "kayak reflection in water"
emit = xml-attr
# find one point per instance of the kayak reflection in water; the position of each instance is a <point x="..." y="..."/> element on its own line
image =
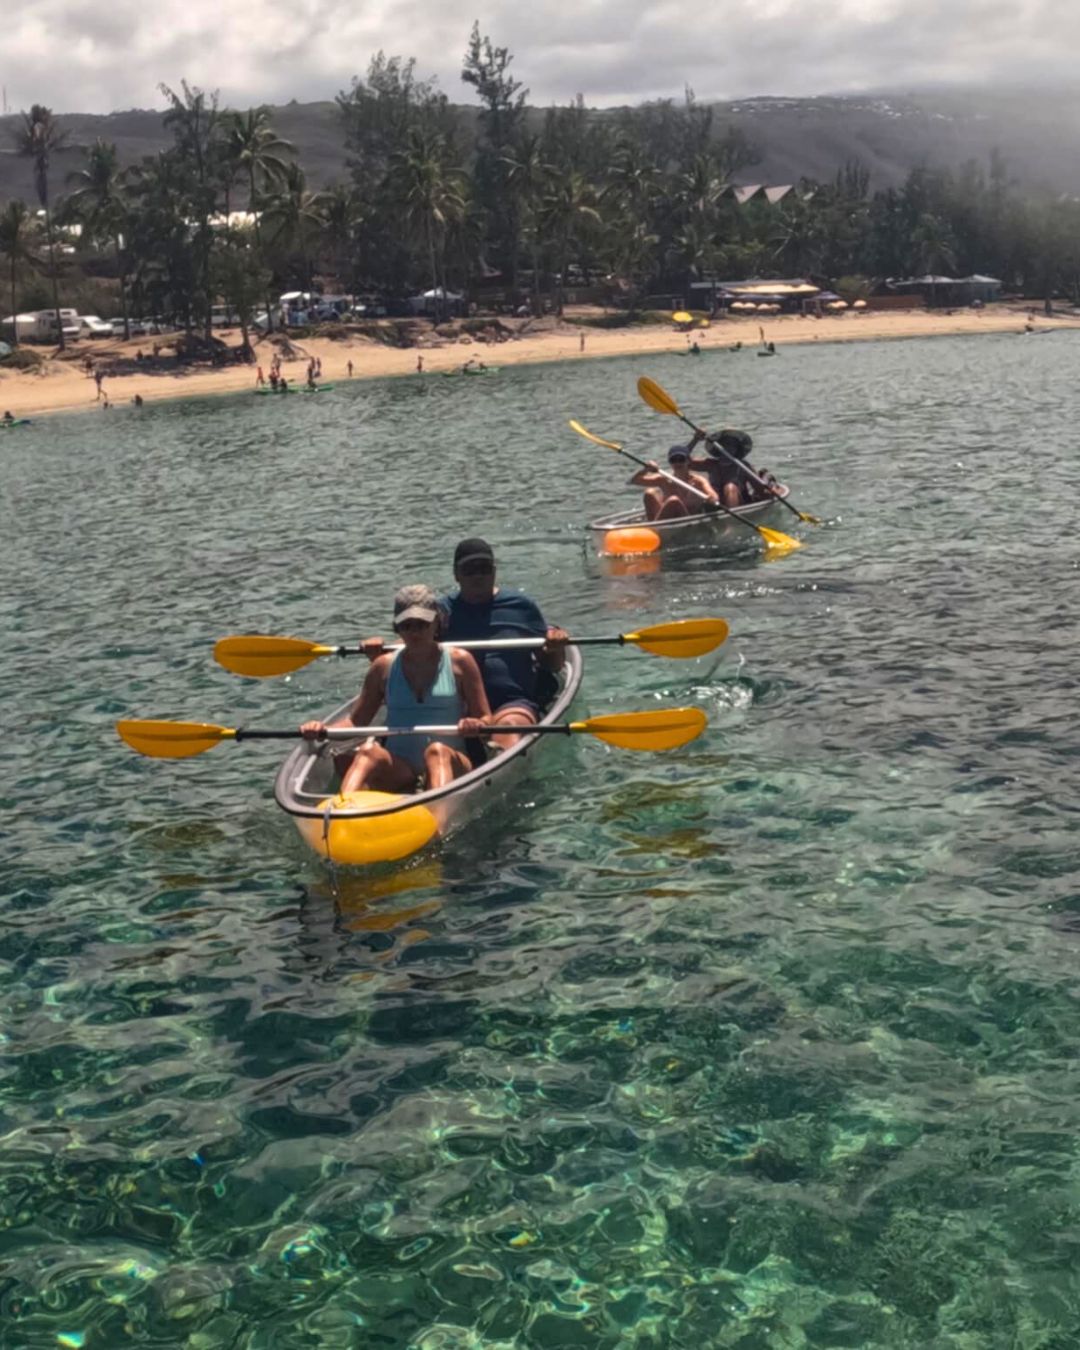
<point x="424" y="683"/>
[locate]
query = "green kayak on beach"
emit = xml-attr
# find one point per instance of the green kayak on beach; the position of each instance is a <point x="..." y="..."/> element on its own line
<point x="297" y="389"/>
<point x="18" y="422"/>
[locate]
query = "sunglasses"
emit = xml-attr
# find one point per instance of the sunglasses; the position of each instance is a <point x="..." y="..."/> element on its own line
<point x="477" y="567"/>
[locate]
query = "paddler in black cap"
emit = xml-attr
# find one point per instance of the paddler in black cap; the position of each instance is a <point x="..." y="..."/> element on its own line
<point x="517" y="681"/>
<point x="724" y="471"/>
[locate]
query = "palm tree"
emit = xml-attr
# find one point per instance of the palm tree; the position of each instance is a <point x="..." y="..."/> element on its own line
<point x="16" y="229"/>
<point x="293" y="220"/>
<point x="633" y="179"/>
<point x="528" y="176"/>
<point x="933" y="246"/>
<point x="196" y="124"/>
<point x="99" y="201"/>
<point x="339" y="213"/>
<point x="568" y="206"/>
<point x="259" y="154"/>
<point x="430" y="194"/>
<point x="699" y="189"/>
<point x="36" y="139"/>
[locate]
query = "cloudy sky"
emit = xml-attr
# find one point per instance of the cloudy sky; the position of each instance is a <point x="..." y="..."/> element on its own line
<point x="78" y="56"/>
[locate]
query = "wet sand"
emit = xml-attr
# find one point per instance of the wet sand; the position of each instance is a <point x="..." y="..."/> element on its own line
<point x="63" y="385"/>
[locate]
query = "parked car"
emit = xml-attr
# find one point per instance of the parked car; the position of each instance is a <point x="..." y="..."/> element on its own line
<point x="91" y="326"/>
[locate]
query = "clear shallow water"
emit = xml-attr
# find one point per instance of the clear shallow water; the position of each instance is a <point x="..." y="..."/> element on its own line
<point x="768" y="1043"/>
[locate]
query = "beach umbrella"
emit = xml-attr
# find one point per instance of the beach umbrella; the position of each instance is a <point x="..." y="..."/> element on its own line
<point x="681" y="316"/>
<point x="838" y="304"/>
<point x="859" y="304"/>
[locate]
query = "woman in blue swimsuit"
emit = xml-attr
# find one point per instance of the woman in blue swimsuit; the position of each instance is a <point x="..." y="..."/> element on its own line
<point x="422" y="684"/>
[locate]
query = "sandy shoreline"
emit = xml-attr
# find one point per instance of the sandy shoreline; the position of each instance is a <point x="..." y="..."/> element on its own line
<point x="63" y="385"/>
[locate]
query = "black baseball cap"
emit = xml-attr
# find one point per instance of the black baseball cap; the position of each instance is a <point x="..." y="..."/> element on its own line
<point x="469" y="549"/>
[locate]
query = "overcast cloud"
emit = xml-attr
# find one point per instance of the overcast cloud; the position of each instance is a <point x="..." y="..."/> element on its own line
<point x="112" y="54"/>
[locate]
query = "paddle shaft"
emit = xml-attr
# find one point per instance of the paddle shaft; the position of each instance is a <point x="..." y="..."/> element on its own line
<point x="358" y="733"/>
<point x="500" y="644"/>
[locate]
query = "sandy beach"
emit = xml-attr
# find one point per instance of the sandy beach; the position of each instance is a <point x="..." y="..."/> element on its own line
<point x="62" y="384"/>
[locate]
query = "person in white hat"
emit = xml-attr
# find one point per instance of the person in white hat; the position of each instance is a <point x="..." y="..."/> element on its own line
<point x="422" y="683"/>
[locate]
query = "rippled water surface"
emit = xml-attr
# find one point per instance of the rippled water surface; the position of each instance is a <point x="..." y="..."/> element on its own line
<point x="771" y="1042"/>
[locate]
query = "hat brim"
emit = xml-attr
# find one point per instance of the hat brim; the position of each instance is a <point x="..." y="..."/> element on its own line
<point x="416" y="612"/>
<point x="476" y="557"/>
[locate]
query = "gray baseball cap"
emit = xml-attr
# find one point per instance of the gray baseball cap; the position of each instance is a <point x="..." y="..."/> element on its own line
<point x="416" y="602"/>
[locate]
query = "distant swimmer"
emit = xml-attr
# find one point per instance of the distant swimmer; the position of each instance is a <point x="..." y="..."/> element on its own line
<point x="8" y="417"/>
<point x="138" y="400"/>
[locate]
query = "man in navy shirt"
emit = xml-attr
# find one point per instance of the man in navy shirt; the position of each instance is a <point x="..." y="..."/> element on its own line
<point x="514" y="679"/>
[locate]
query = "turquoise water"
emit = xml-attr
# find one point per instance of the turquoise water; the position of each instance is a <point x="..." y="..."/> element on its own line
<point x="767" y="1043"/>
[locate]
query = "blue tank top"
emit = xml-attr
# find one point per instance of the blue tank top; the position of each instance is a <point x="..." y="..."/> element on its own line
<point x="441" y="707"/>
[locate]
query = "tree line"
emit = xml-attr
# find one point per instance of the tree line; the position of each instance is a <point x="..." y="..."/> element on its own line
<point x="497" y="197"/>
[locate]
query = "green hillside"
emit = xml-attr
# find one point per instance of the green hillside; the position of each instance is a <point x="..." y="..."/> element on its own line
<point x="796" y="138"/>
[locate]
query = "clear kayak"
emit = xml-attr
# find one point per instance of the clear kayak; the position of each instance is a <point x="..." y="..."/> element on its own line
<point x="716" y="528"/>
<point x="365" y="828"/>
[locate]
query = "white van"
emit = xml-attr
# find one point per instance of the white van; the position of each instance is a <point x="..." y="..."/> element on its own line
<point x="40" y="326"/>
<point x="92" y="327"/>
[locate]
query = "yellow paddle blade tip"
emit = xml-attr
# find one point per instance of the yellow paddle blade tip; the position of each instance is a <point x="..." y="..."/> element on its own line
<point x="682" y="639"/>
<point x="171" y="740"/>
<point x="664" y="729"/>
<point x="776" y="544"/>
<point x="631" y="542"/>
<point x="259" y="657"/>
<point x="360" y="841"/>
<point x="656" y="397"/>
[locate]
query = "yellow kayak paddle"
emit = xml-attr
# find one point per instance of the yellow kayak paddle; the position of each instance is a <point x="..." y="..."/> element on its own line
<point x="776" y="544"/>
<point x="657" y="397"/>
<point x="662" y="729"/>
<point x="263" y="656"/>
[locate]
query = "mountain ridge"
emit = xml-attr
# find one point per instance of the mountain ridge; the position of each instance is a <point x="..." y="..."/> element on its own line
<point x="890" y="134"/>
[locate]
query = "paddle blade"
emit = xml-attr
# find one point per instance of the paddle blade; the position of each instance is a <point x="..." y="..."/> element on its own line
<point x="596" y="440"/>
<point x="664" y="729"/>
<point x="172" y="740"/>
<point x="777" y="544"/>
<point x="683" y="638"/>
<point x="262" y="656"/>
<point x="808" y="518"/>
<point x="630" y="542"/>
<point x="656" y="397"/>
